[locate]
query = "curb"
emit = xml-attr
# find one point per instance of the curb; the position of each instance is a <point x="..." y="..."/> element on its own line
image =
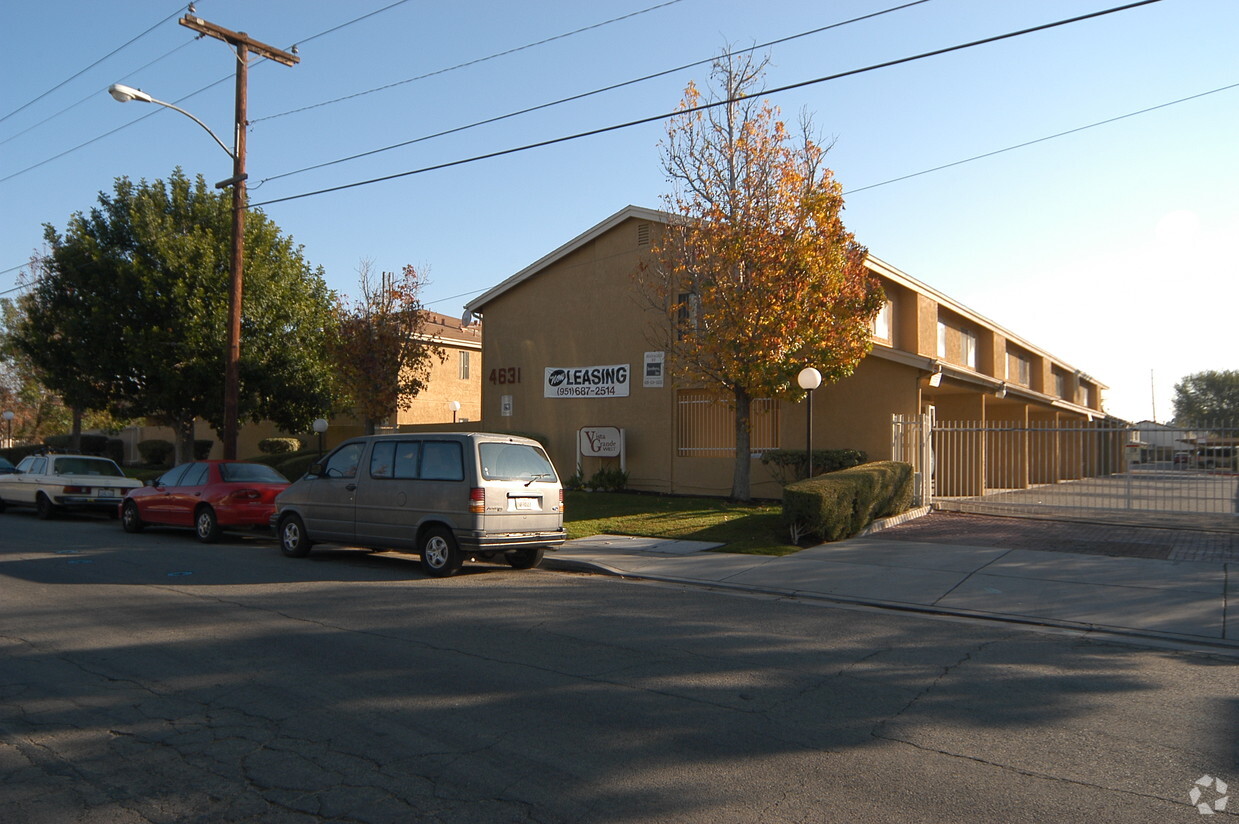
<point x="1193" y="643"/>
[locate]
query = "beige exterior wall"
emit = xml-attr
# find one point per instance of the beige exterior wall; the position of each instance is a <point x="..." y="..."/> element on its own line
<point x="578" y="308"/>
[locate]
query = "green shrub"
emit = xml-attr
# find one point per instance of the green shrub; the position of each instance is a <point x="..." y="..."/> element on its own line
<point x="115" y="449"/>
<point x="156" y="452"/>
<point x="840" y="504"/>
<point x="789" y="465"/>
<point x="14" y="454"/>
<point x="608" y="479"/>
<point x="294" y="466"/>
<point x="90" y="444"/>
<point x="279" y="446"/>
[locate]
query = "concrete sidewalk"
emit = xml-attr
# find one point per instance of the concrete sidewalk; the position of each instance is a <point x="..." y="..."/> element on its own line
<point x="1166" y="600"/>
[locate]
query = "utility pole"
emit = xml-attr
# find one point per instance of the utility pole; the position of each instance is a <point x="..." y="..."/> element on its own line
<point x="244" y="44"/>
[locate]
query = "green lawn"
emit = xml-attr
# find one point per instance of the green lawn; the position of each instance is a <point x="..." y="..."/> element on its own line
<point x="755" y="529"/>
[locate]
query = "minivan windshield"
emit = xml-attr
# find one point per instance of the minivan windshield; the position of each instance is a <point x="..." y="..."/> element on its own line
<point x="514" y="462"/>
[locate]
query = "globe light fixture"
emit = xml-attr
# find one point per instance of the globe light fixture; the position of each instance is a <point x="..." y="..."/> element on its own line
<point x="808" y="380"/>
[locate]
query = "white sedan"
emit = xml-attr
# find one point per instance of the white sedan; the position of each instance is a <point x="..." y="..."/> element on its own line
<point x="52" y="482"/>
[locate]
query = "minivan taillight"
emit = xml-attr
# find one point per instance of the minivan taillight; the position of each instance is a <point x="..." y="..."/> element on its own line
<point x="561" y="500"/>
<point x="477" y="500"/>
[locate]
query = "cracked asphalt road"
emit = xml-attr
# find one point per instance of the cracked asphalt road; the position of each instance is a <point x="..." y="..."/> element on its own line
<point x="149" y="678"/>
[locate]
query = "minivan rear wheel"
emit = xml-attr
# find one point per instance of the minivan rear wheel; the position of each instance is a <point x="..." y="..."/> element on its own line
<point x="440" y="555"/>
<point x="523" y="558"/>
<point x="293" y="541"/>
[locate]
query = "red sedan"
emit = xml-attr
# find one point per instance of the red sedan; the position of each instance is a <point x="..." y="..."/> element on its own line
<point x="209" y="496"/>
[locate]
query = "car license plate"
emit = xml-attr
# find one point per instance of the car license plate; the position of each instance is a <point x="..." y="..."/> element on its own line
<point x="524" y="503"/>
<point x="106" y="493"/>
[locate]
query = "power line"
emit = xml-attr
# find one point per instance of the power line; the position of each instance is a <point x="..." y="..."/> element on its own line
<point x="93" y="94"/>
<point x="923" y="171"/>
<point x="91" y="66"/>
<point x="349" y="23"/>
<point x="902" y="177"/>
<point x="111" y="132"/>
<point x="179" y="100"/>
<point x="705" y="106"/>
<point x="1040" y="139"/>
<point x="584" y="95"/>
<point x="469" y="62"/>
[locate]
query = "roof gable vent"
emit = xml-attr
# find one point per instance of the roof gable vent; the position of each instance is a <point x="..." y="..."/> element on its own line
<point x="643" y="234"/>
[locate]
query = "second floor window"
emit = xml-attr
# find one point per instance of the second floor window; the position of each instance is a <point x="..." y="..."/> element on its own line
<point x="464" y="366"/>
<point x="969" y="341"/>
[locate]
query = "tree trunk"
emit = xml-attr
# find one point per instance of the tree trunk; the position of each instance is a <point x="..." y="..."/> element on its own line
<point x="740" y="481"/>
<point x="371" y="425"/>
<point x="75" y="440"/>
<point x="184" y="429"/>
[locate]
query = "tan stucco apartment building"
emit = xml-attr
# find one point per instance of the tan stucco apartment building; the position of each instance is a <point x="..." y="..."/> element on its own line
<point x="567" y="354"/>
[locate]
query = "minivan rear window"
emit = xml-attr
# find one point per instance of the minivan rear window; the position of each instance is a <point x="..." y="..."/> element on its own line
<point x="514" y="462"/>
<point x="442" y="461"/>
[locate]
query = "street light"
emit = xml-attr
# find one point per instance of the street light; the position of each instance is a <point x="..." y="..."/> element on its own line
<point x="244" y="45"/>
<point x="320" y="426"/>
<point x="8" y="417"/>
<point x="123" y="94"/>
<point x="455" y="407"/>
<point x="809" y="379"/>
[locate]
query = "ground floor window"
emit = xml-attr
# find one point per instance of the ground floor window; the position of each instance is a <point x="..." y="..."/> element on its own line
<point x="706" y="425"/>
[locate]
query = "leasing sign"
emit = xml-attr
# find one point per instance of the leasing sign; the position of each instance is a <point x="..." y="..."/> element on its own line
<point x="586" y="382"/>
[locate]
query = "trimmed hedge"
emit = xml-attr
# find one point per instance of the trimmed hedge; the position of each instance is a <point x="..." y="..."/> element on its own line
<point x="156" y="452"/>
<point x="91" y="444"/>
<point x="840" y="504"/>
<point x="279" y="446"/>
<point x="789" y="465"/>
<point x="291" y="465"/>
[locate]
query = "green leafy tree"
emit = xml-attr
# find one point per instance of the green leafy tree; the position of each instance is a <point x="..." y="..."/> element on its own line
<point x="382" y="354"/>
<point x="1207" y="399"/>
<point x="128" y="312"/>
<point x="756" y="271"/>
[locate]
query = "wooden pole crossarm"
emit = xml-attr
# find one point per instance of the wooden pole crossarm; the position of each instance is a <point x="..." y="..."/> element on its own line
<point x="239" y="38"/>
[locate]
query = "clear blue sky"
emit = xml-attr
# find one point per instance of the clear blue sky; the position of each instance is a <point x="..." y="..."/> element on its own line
<point x="1114" y="248"/>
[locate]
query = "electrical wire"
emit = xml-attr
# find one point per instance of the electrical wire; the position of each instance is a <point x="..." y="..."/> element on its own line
<point x="111" y="132"/>
<point x="1040" y="140"/>
<point x="907" y="176"/>
<point x="469" y="62"/>
<point x="681" y="112"/>
<point x="584" y="95"/>
<point x="92" y="95"/>
<point x="91" y="66"/>
<point x="179" y="100"/>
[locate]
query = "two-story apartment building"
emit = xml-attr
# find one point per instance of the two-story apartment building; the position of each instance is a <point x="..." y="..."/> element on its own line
<point x="567" y="352"/>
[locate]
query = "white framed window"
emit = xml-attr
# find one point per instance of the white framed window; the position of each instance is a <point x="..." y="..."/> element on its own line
<point x="969" y="340"/>
<point x="464" y="365"/>
<point x="882" y="322"/>
<point x="941" y="340"/>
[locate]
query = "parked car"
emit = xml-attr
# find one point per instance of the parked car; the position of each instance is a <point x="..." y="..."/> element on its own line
<point x="447" y="497"/>
<point x="6" y="468"/>
<point x="209" y="496"/>
<point x="50" y="483"/>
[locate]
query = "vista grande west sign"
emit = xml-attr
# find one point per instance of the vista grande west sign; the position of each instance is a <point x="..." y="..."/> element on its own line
<point x="587" y="381"/>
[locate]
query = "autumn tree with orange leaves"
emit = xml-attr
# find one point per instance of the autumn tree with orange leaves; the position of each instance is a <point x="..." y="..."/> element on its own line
<point x="756" y="271"/>
<point x="382" y="354"/>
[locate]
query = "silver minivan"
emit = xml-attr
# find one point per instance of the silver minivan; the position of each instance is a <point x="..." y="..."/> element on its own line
<point x="449" y="497"/>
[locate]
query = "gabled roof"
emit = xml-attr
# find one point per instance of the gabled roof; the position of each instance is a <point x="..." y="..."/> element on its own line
<point x="876" y="265"/>
<point x="568" y="248"/>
